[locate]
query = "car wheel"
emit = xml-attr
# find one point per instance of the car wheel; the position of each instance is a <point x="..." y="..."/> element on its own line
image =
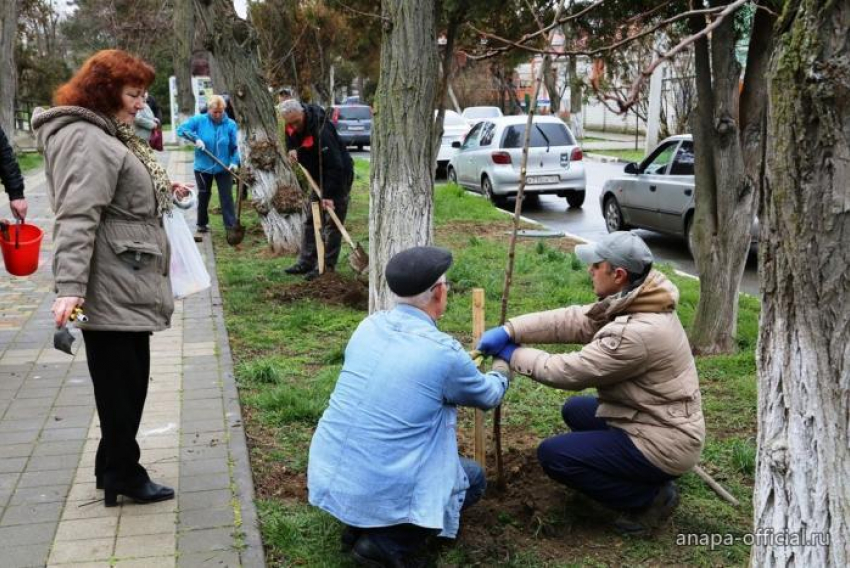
<point x="689" y="237"/>
<point x="575" y="198"/>
<point x="613" y="216"/>
<point x="452" y="175"/>
<point x="487" y="189"/>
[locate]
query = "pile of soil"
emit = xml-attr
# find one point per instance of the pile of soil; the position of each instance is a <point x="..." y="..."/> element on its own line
<point x="533" y="513"/>
<point x="329" y="288"/>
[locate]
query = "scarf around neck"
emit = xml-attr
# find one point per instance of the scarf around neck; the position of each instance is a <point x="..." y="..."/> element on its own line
<point x="142" y="150"/>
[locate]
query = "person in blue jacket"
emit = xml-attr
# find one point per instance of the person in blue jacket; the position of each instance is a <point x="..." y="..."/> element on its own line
<point x="384" y="458"/>
<point x="213" y="132"/>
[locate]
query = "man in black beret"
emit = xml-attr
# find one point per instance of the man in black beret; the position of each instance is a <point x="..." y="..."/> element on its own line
<point x="384" y="458"/>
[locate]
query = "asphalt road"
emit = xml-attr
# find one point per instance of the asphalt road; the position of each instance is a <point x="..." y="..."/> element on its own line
<point x="589" y="224"/>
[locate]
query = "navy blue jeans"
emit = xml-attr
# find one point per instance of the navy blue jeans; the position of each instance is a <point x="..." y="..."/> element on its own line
<point x="406" y="539"/>
<point x="600" y="461"/>
<point x="224" y="182"/>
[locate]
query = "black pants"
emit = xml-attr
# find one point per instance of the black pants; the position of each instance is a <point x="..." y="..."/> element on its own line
<point x="224" y="183"/>
<point x="119" y="364"/>
<point x="330" y="235"/>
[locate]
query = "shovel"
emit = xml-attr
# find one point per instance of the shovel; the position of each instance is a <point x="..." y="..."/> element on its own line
<point x="236" y="234"/>
<point x="358" y="259"/>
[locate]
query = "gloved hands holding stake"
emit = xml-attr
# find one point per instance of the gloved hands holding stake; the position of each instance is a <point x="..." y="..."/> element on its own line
<point x="494" y="340"/>
<point x="498" y="343"/>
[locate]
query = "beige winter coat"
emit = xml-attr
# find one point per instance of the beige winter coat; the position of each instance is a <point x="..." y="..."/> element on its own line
<point x="109" y="244"/>
<point x="637" y="356"/>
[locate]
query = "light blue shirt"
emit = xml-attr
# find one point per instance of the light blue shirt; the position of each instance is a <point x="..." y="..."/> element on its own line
<point x="385" y="451"/>
<point x="221" y="139"/>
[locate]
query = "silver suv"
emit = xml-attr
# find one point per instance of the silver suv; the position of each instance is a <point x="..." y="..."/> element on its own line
<point x="489" y="159"/>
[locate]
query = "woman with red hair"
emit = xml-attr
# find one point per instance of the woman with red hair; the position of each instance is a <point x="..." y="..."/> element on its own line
<point x="109" y="194"/>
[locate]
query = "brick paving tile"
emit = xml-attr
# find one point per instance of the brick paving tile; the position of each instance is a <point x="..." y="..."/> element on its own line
<point x="49" y="506"/>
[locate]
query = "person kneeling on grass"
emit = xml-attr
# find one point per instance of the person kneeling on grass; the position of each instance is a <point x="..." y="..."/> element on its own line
<point x="645" y="428"/>
<point x="384" y="458"/>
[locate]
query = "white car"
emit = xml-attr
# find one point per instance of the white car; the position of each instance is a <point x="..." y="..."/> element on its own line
<point x="454" y="129"/>
<point x="489" y="159"/>
<point x="474" y="115"/>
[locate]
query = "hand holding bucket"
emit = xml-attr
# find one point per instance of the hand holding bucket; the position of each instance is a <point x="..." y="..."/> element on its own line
<point x="21" y="244"/>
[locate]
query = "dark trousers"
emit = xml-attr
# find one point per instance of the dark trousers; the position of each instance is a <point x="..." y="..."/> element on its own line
<point x="404" y="540"/>
<point x="119" y="364"/>
<point x="330" y="235"/>
<point x="600" y="461"/>
<point x="224" y="183"/>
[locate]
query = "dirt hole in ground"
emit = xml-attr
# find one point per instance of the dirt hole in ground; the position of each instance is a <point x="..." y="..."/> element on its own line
<point x="533" y="512"/>
<point x="330" y="288"/>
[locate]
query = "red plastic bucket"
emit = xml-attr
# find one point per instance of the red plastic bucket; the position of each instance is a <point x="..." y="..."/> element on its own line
<point x="20" y="250"/>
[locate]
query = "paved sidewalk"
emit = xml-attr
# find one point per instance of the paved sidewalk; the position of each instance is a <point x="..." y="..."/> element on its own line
<point x="191" y="435"/>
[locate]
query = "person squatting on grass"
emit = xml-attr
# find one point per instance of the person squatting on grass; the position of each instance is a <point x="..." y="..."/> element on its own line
<point x="645" y="427"/>
<point x="216" y="133"/>
<point x="110" y="250"/>
<point x="313" y="142"/>
<point x="384" y="458"/>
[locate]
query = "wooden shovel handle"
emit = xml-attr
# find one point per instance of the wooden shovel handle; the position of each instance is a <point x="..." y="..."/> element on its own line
<point x="331" y="212"/>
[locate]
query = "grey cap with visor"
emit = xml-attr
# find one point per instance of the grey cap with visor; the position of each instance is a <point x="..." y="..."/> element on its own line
<point x="621" y="249"/>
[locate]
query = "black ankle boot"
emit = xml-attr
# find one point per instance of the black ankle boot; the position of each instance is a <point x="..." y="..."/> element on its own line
<point x="299" y="268"/>
<point x="147" y="492"/>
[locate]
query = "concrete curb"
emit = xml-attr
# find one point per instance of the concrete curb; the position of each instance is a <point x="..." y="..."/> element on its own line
<point x="252" y="555"/>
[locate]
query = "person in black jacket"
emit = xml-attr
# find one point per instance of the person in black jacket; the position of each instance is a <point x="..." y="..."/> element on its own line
<point x="13" y="181"/>
<point x="312" y="141"/>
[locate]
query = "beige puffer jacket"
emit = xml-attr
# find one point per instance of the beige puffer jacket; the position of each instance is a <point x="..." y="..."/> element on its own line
<point x="637" y="356"/>
<point x="109" y="244"/>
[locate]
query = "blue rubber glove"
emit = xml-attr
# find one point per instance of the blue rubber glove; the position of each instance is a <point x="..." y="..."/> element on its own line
<point x="493" y="340"/>
<point x="507" y="351"/>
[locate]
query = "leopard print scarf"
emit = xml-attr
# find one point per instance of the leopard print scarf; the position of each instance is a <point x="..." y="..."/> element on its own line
<point x="143" y="151"/>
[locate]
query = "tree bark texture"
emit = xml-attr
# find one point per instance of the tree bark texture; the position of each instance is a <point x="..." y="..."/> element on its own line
<point x="803" y="466"/>
<point x="728" y="157"/>
<point x="402" y="183"/>
<point x="8" y="70"/>
<point x="275" y="191"/>
<point x="184" y="40"/>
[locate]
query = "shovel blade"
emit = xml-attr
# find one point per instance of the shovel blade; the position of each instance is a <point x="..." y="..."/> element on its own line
<point x="235" y="235"/>
<point x="359" y="260"/>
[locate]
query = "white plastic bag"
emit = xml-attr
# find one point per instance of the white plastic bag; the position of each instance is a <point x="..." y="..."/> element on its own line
<point x="188" y="273"/>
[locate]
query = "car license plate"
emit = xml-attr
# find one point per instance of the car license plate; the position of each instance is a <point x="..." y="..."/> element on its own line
<point x="530" y="180"/>
<point x="355" y="128"/>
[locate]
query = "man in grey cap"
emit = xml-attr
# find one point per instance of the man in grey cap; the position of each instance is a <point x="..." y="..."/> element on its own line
<point x="384" y="457"/>
<point x="645" y="427"/>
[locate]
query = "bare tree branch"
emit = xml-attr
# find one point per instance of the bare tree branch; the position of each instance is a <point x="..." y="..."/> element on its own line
<point x="361" y="13"/>
<point x="721" y="11"/>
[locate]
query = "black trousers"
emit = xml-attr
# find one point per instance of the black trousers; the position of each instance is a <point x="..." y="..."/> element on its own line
<point x="119" y="364"/>
<point x="330" y="235"/>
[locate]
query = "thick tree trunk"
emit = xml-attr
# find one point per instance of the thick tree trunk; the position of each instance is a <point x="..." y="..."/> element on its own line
<point x="402" y="187"/>
<point x="275" y="192"/>
<point x="8" y="70"/>
<point x="803" y="472"/>
<point x="184" y="41"/>
<point x="725" y="194"/>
